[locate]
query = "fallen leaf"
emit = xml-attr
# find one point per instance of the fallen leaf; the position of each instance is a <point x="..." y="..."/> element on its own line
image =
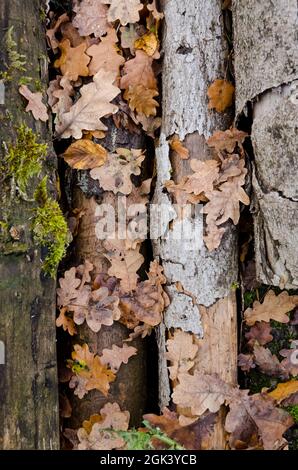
<point x="129" y="34"/>
<point x="124" y="266"/>
<point x="115" y="174"/>
<point x="157" y="15"/>
<point x="246" y="362"/>
<point x="290" y="363"/>
<point x="93" y="104"/>
<point x="68" y="31"/>
<point x="99" y="439"/>
<point x="220" y="94"/>
<point x="91" y="18"/>
<point x="268" y="362"/>
<point x="105" y="55"/>
<point x="138" y="71"/>
<point x="168" y="422"/>
<point x="274" y="307"/>
<point x="116" y="356"/>
<point x="181" y="352"/>
<point x="202" y="392"/>
<point x="35" y="105"/>
<point x="73" y="61"/>
<point x="198" y="435"/>
<point x="260" y="332"/>
<point x="148" y="43"/>
<point x="126" y="11"/>
<point x="284" y="390"/>
<point x="140" y="99"/>
<point x="51" y="32"/>
<point x="227" y="140"/>
<point x="85" y="155"/>
<point x="178" y="147"/>
<point x="66" y="322"/>
<point x="203" y="178"/>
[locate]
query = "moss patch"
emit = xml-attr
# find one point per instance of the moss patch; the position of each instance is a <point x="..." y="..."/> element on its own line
<point x="24" y="158"/>
<point x="49" y="228"/>
<point x="16" y="61"/>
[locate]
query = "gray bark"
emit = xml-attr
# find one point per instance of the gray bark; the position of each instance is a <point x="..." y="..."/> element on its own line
<point x="195" y="55"/>
<point x="266" y="59"/>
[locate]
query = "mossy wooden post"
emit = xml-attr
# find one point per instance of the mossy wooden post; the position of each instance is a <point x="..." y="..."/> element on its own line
<point x="28" y="377"/>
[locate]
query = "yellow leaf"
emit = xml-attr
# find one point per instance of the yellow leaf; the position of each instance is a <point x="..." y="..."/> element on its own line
<point x="283" y="390"/>
<point x="148" y="43"/>
<point x="220" y="94"/>
<point x="85" y="155"/>
<point x="141" y="99"/>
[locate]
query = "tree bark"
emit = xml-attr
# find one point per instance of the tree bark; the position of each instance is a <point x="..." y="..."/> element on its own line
<point x="266" y="59"/>
<point x="195" y="54"/>
<point x="28" y="378"/>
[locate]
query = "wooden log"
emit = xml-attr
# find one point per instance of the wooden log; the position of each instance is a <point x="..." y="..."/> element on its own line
<point x="28" y="378"/>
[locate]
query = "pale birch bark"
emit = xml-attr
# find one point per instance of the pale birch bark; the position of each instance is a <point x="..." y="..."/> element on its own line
<point x="266" y="61"/>
<point x="195" y="54"/>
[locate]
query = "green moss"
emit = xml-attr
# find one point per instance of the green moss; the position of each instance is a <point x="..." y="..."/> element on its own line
<point x="293" y="411"/>
<point x="49" y="228"/>
<point x="24" y="158"/>
<point x="137" y="440"/>
<point x="16" y="61"/>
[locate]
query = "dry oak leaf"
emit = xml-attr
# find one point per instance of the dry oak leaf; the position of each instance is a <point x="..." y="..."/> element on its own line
<point x="66" y="322"/>
<point x="201" y="392"/>
<point x="35" y="105"/>
<point x="115" y="174"/>
<point x="140" y="99"/>
<point x="268" y="362"/>
<point x="274" y="307"/>
<point x="257" y="415"/>
<point x="260" y="332"/>
<point x="51" y="32"/>
<point x="126" y="11"/>
<point x="93" y="104"/>
<point x="68" y="31"/>
<point x="198" y="435"/>
<point x="148" y="43"/>
<point x="227" y="140"/>
<point x="124" y="266"/>
<point x="246" y="362"/>
<point x="220" y="94"/>
<point x="105" y="55"/>
<point x="91" y="18"/>
<point x="290" y="363"/>
<point x="89" y="372"/>
<point x="85" y="155"/>
<point x="138" y="71"/>
<point x="68" y="287"/>
<point x="168" y="422"/>
<point x="103" y="310"/>
<point x="111" y="417"/>
<point x="117" y="355"/>
<point x="73" y="61"/>
<point x="99" y="439"/>
<point x="155" y="13"/>
<point x="178" y="147"/>
<point x="129" y="34"/>
<point x="59" y="92"/>
<point x="205" y="174"/>
<point x="213" y="236"/>
<point x="181" y="353"/>
<point x="284" y="390"/>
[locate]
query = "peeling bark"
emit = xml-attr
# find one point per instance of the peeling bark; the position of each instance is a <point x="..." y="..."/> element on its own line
<point x="198" y="281"/>
<point x="266" y="74"/>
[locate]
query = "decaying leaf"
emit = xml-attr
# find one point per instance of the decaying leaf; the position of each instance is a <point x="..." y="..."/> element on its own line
<point x="203" y="178"/>
<point x="73" y="61"/>
<point x="220" y="94"/>
<point x="290" y="363"/>
<point x="66" y="322"/>
<point x="126" y="11"/>
<point x="246" y="362"/>
<point x="116" y="356"/>
<point x="59" y="92"/>
<point x="180" y="352"/>
<point x="93" y="105"/>
<point x="260" y="332"/>
<point x="138" y="71"/>
<point x="227" y="140"/>
<point x="91" y="18"/>
<point x="178" y="147"/>
<point x="90" y="373"/>
<point x="141" y="99"/>
<point x="51" y="32"/>
<point x="284" y="390"/>
<point x="129" y="34"/>
<point x="115" y="174"/>
<point x="105" y="55"/>
<point x="274" y="307"/>
<point x="35" y="104"/>
<point x="124" y="266"/>
<point x="99" y="439"/>
<point x="268" y="362"/>
<point x="85" y="155"/>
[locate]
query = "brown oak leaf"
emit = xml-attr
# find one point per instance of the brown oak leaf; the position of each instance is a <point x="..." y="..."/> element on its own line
<point x="178" y="147"/>
<point x="35" y="104"/>
<point x="138" y="71"/>
<point x="66" y="322"/>
<point x="141" y="99"/>
<point x="203" y="178"/>
<point x="99" y="439"/>
<point x="227" y="140"/>
<point x="116" y="356"/>
<point x="124" y="266"/>
<point x="93" y="104"/>
<point x="85" y="155"/>
<point x="181" y="352"/>
<point x="268" y="362"/>
<point x="105" y="55"/>
<point x="290" y="363"/>
<point x="91" y="18"/>
<point x="126" y="11"/>
<point x="246" y="362"/>
<point x="220" y="94"/>
<point x="73" y="61"/>
<point x="260" y="332"/>
<point x="51" y="32"/>
<point x="274" y="307"/>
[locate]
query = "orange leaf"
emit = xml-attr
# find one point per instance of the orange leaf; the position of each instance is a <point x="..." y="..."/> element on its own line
<point x="177" y="146"/>
<point x="73" y="61"/>
<point x="220" y="94"/>
<point x="85" y="155"/>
